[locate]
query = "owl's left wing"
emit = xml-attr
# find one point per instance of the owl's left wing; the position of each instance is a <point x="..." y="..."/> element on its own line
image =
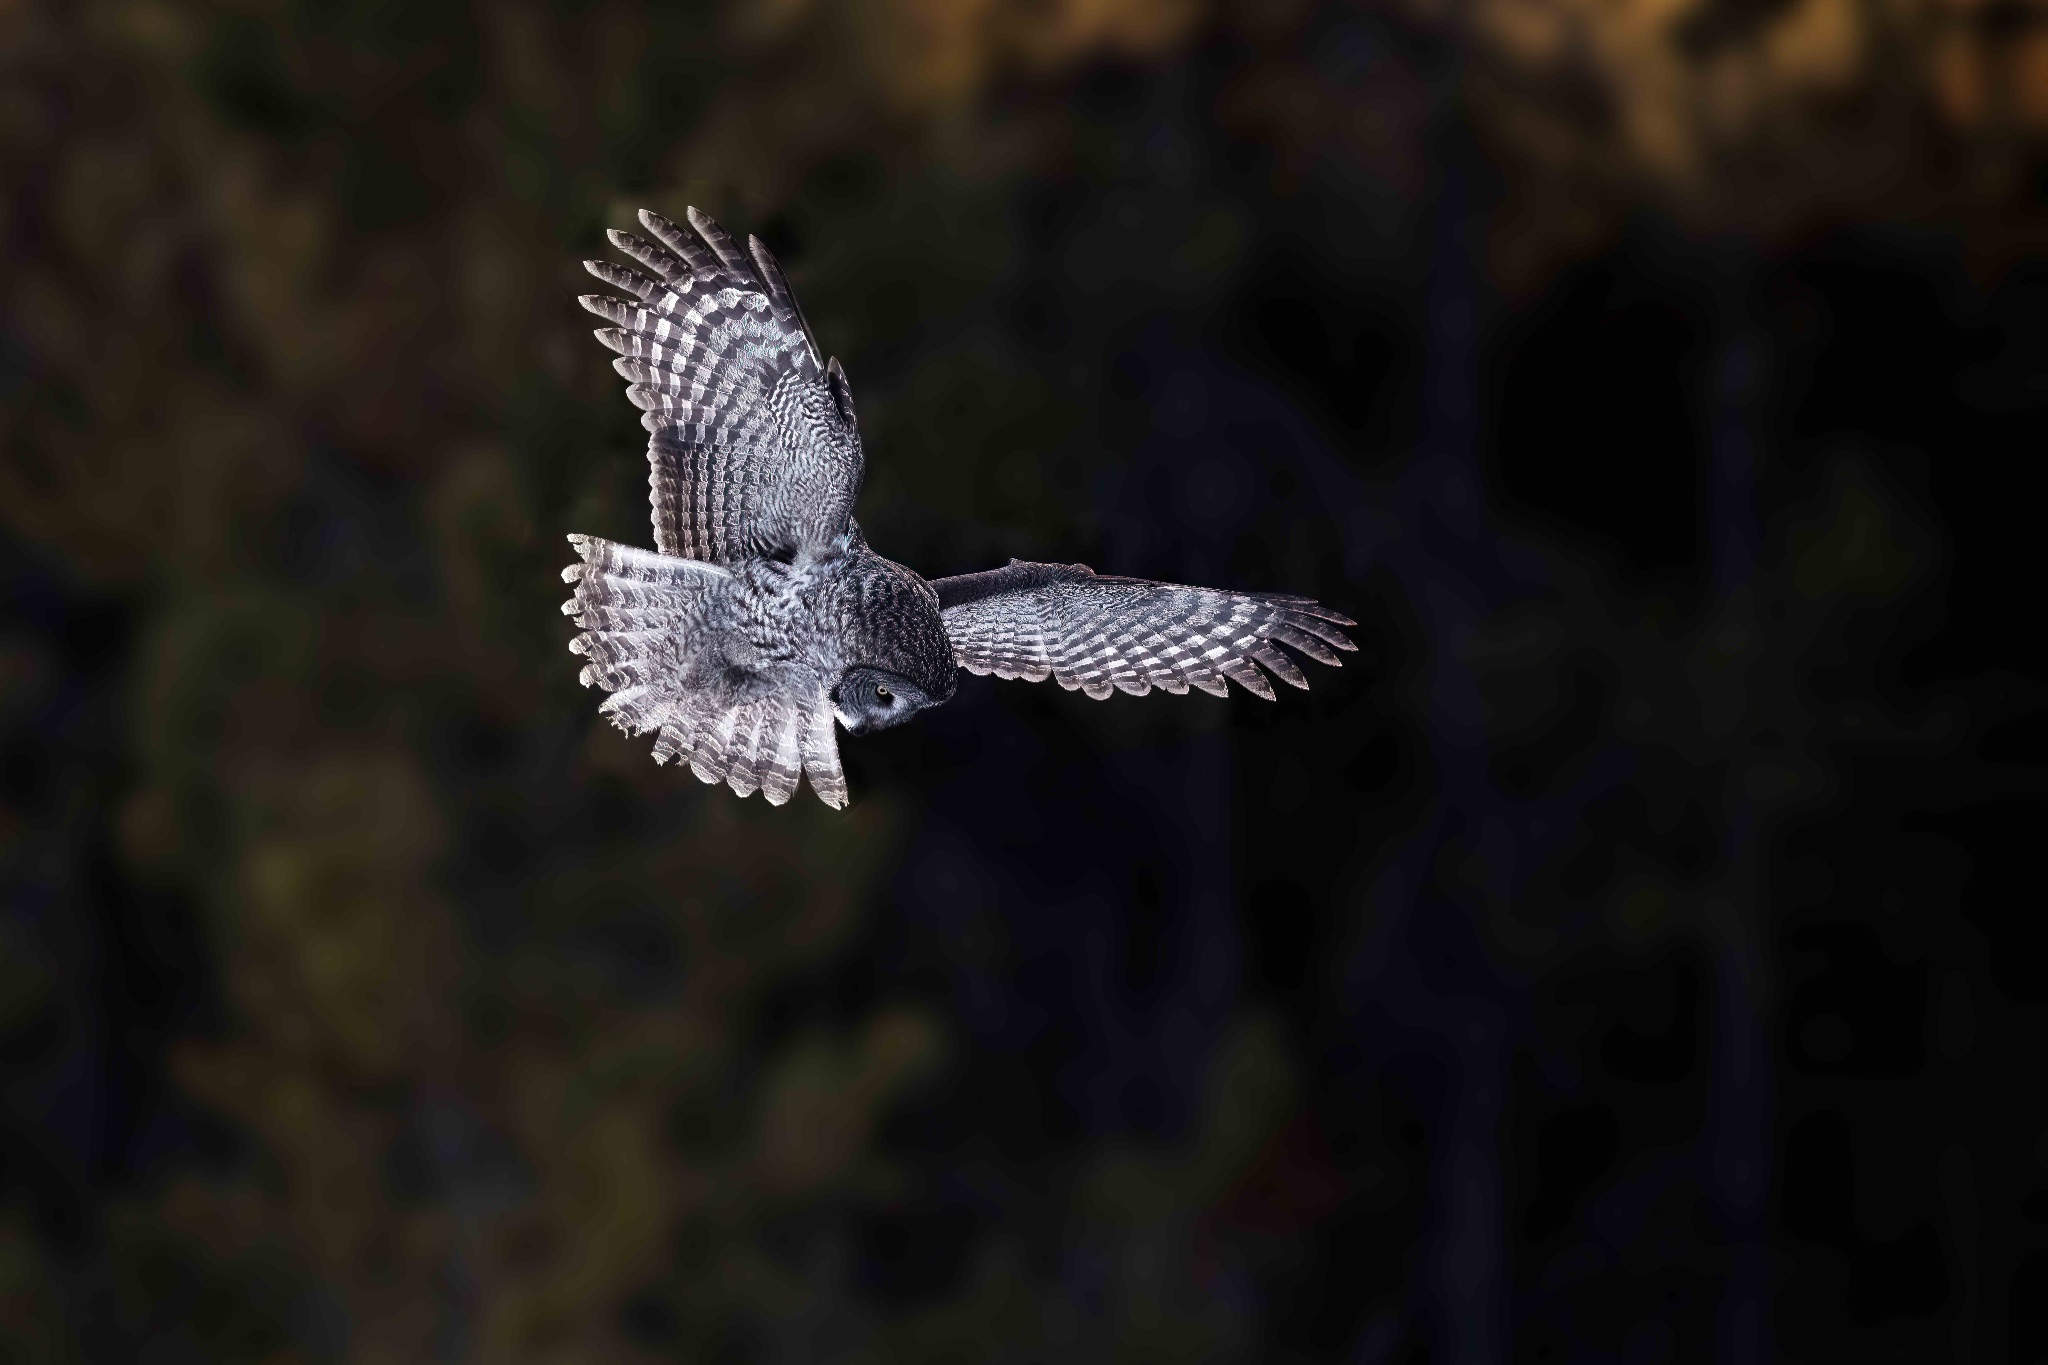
<point x="1099" y="634"/>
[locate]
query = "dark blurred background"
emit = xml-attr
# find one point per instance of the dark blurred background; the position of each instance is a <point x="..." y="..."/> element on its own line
<point x="1631" y="956"/>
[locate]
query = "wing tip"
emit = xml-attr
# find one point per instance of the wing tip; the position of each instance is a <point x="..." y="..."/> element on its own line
<point x="604" y="306"/>
<point x="1279" y="663"/>
<point x="1244" y="671"/>
<point x="1327" y="613"/>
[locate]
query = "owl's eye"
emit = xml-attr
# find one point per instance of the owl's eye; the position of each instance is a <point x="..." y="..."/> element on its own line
<point x="885" y="694"/>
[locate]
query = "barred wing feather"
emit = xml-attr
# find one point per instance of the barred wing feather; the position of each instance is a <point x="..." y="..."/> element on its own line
<point x="641" y="615"/>
<point x="1097" y="634"/>
<point x="752" y="448"/>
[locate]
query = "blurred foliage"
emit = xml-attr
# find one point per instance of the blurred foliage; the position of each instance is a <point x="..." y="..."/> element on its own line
<point x="31" y="1320"/>
<point x="1754" y="115"/>
<point x="293" y="365"/>
<point x="307" y="379"/>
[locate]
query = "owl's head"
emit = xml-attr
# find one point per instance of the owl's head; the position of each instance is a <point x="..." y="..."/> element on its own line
<point x="871" y="699"/>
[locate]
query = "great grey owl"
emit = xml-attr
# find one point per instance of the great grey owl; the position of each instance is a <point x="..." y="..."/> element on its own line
<point x="761" y="614"/>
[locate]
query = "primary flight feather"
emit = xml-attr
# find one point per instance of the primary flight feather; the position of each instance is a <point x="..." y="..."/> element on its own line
<point x="762" y="617"/>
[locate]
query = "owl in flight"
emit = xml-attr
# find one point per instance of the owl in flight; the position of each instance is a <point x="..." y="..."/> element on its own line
<point x="761" y="615"/>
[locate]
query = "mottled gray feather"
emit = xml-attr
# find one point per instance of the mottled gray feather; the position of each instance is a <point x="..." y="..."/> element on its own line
<point x="679" y="645"/>
<point x="752" y="446"/>
<point x="1098" y="634"/>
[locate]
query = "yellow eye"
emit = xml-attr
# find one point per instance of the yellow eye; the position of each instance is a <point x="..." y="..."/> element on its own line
<point x="884" y="693"/>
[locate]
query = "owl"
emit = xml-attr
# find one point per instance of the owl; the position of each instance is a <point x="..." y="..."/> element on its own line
<point x="761" y="616"/>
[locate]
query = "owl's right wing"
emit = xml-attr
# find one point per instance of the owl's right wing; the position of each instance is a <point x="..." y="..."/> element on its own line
<point x="1097" y="633"/>
<point x="752" y="447"/>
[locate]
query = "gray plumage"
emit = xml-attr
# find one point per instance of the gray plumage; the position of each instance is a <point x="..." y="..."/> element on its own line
<point x="762" y="616"/>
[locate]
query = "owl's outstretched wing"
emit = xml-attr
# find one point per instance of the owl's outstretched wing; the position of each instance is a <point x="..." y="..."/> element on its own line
<point x="1098" y="634"/>
<point x="752" y="448"/>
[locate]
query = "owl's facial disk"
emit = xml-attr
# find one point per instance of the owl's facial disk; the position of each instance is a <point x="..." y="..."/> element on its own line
<point x="871" y="699"/>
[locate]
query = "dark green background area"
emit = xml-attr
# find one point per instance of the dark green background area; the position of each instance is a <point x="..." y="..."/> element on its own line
<point x="1630" y="955"/>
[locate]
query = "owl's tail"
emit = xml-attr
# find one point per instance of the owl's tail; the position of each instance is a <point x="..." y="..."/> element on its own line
<point x="644" y="618"/>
